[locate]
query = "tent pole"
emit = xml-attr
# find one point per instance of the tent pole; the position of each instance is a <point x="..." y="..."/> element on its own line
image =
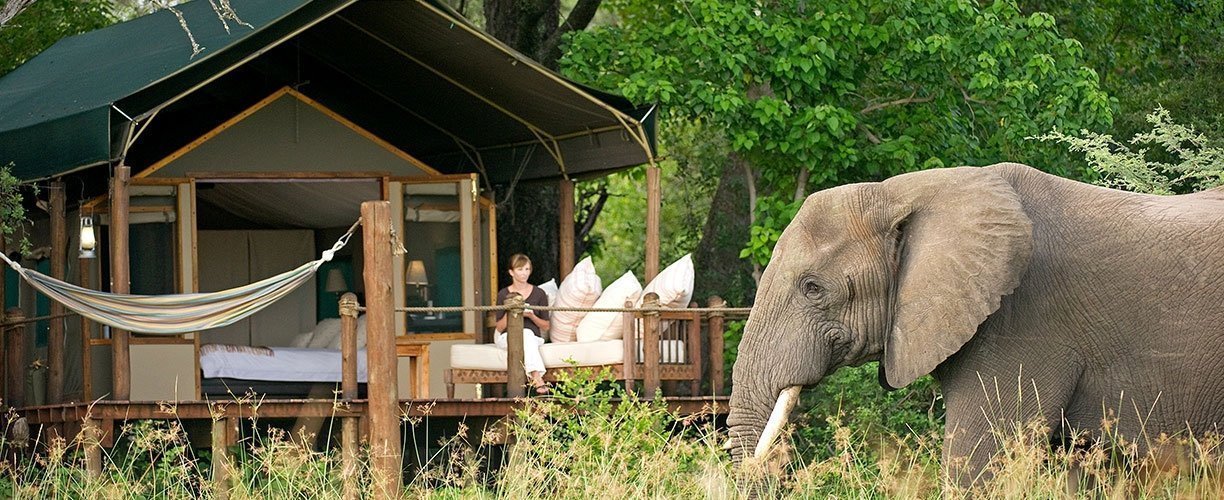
<point x="55" y="336"/>
<point x="121" y="369"/>
<point x="381" y="387"/>
<point x="653" y="202"/>
<point x="565" y="215"/>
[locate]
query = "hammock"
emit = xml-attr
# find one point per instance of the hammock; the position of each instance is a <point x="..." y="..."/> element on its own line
<point x="177" y="313"/>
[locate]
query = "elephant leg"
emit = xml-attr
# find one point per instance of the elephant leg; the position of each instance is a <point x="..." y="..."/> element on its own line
<point x="988" y="411"/>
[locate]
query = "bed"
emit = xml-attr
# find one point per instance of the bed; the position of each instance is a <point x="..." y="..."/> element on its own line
<point x="234" y="370"/>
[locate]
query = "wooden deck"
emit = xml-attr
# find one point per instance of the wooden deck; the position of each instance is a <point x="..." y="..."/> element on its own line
<point x="66" y="419"/>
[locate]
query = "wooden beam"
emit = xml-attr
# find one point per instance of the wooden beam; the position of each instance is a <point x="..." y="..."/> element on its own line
<point x="385" y="452"/>
<point x="716" y="345"/>
<point x="653" y="202"/>
<point x="650" y="346"/>
<point x="224" y="434"/>
<point x="55" y="334"/>
<point x="348" y="346"/>
<point x="565" y="219"/>
<point x="15" y="359"/>
<point x="516" y="376"/>
<point x="121" y="368"/>
<point x="86" y="337"/>
<point x="91" y="441"/>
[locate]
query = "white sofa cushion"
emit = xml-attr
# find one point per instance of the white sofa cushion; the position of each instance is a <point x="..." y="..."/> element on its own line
<point x="674" y="285"/>
<point x="580" y="289"/>
<point x="603" y="352"/>
<point x="610" y="325"/>
<point x="550" y="289"/>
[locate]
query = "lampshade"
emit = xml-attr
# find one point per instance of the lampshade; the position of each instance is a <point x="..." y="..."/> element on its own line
<point x="88" y="241"/>
<point x="415" y="275"/>
<point x="335" y="281"/>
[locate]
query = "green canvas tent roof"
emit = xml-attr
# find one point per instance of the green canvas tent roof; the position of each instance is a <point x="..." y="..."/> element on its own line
<point x="412" y="72"/>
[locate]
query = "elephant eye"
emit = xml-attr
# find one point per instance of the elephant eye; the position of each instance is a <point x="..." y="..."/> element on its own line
<point x="812" y="289"/>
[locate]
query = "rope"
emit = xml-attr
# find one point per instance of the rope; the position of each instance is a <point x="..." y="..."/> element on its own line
<point x="448" y="309"/>
<point x="10" y="322"/>
<point x="177" y="313"/>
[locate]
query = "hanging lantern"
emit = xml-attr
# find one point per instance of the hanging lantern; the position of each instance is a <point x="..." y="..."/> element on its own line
<point x="88" y="241"/>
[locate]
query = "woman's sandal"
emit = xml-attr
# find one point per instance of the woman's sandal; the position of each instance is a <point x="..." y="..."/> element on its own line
<point x="542" y="389"/>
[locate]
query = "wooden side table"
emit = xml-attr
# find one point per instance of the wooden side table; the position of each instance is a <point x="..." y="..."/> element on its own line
<point x="418" y="363"/>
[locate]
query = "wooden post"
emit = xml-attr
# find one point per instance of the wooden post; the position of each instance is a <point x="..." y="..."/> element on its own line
<point x="516" y="377"/>
<point x="121" y="367"/>
<point x="381" y="388"/>
<point x="55" y="335"/>
<point x="565" y="217"/>
<point x="86" y="335"/>
<point x="348" y="392"/>
<point x="348" y="346"/>
<point x="16" y="357"/>
<point x="224" y="435"/>
<point x="650" y="344"/>
<point x="630" y="345"/>
<point x="693" y="345"/>
<point x="351" y="490"/>
<point x="716" y="345"/>
<point x="91" y="440"/>
<point x="653" y="202"/>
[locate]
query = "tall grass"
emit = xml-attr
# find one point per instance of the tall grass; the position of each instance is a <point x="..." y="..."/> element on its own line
<point x="592" y="440"/>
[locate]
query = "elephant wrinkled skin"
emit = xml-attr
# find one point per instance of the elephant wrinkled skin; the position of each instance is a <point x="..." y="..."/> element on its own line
<point x="1025" y="294"/>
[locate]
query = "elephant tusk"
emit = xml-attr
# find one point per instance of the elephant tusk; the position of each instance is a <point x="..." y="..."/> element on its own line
<point x="729" y="445"/>
<point x="777" y="419"/>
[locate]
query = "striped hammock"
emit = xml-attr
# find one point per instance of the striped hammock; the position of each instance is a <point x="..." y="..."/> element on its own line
<point x="177" y="313"/>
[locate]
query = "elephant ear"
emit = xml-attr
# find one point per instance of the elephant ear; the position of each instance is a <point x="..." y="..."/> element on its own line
<point x="964" y="242"/>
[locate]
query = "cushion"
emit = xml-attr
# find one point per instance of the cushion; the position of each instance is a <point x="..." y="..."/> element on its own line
<point x="598" y="353"/>
<point x="608" y="325"/>
<point x="550" y="289"/>
<point x="580" y="289"/>
<point x="674" y="285"/>
<point x="325" y="333"/>
<point x="361" y="334"/>
<point x="302" y="340"/>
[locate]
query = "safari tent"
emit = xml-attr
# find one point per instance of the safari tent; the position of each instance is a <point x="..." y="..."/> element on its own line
<point x="253" y="155"/>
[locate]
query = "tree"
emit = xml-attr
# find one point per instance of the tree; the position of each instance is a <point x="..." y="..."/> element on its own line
<point x="37" y="25"/>
<point x="534" y="27"/>
<point x="811" y="96"/>
<point x="1150" y="53"/>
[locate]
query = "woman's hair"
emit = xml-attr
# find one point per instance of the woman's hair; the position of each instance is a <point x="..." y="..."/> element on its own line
<point x="518" y="260"/>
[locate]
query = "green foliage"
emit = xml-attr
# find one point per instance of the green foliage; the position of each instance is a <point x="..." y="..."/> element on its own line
<point x="1164" y="51"/>
<point x="1190" y="162"/>
<point x="12" y="211"/>
<point x="855" y="397"/>
<point x="687" y="186"/>
<point x="847" y="91"/>
<point x="45" y="22"/>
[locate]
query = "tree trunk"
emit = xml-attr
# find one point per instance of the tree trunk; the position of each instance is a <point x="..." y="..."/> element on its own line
<point x="525" y="221"/>
<point x="719" y="270"/>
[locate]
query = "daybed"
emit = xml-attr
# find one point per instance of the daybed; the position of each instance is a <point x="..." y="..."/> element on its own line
<point x="680" y="356"/>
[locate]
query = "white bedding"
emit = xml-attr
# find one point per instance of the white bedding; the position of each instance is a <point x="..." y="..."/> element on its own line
<point x="284" y="364"/>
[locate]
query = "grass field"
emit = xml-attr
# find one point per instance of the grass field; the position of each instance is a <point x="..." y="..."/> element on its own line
<point x="578" y="445"/>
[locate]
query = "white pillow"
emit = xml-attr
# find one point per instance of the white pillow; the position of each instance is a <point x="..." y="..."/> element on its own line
<point x="674" y="285"/>
<point x="580" y="289"/>
<point x="608" y="325"/>
<point x="550" y="289"/>
<point x="302" y="340"/>
<point x="325" y="333"/>
<point x="361" y="334"/>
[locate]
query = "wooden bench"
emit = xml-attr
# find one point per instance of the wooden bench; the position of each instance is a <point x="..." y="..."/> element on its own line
<point x="666" y="346"/>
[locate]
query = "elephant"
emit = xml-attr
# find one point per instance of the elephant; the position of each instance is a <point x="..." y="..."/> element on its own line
<point x="1026" y="295"/>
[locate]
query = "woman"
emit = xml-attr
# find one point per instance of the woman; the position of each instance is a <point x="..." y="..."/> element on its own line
<point x="534" y="322"/>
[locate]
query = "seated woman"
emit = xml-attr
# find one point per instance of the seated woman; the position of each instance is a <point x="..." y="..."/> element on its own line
<point x="534" y="322"/>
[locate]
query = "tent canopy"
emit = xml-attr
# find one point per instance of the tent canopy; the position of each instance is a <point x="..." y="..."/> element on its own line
<point x="412" y="72"/>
